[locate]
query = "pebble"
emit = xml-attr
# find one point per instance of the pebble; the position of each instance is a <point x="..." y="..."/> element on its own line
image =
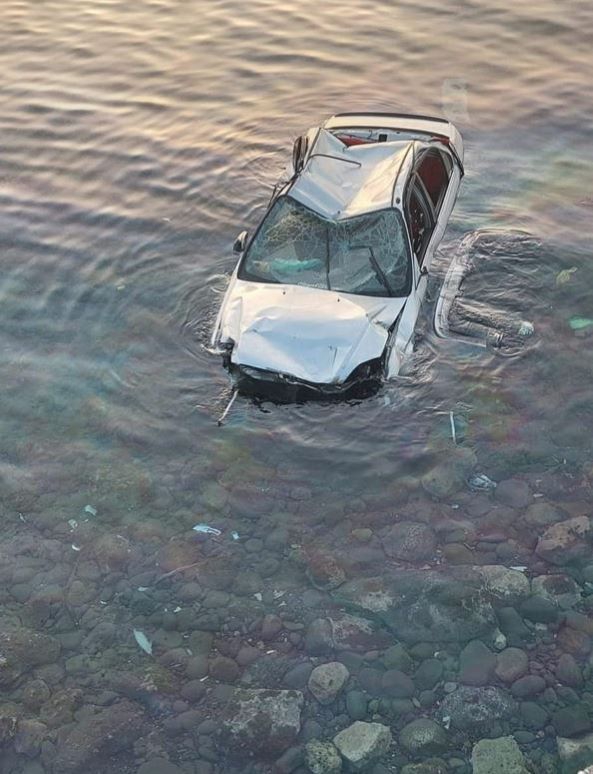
<point x="361" y="743"/>
<point x="423" y="737"/>
<point x="571" y="721"/>
<point x="527" y="686"/>
<point x="356" y="705"/>
<point x="476" y="664"/>
<point x="322" y="758"/>
<point x="511" y="664"/>
<point x="428" y="674"/>
<point x="568" y="671"/>
<point x="224" y="669"/>
<point x="397" y="685"/>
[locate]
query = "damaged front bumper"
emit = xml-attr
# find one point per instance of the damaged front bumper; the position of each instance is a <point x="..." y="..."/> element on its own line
<point x="364" y="381"/>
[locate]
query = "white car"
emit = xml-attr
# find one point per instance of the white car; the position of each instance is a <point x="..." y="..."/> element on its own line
<point x="327" y="290"/>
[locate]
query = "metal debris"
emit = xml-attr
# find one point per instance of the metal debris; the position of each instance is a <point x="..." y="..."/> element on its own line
<point x="482" y="483"/>
<point x="206" y="529"/>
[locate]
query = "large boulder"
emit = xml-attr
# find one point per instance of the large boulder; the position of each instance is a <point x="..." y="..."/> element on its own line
<point x="498" y="756"/>
<point x="425" y="605"/>
<point x="566" y="541"/>
<point x="262" y="721"/>
<point x="106" y="733"/>
<point x="361" y="743"/>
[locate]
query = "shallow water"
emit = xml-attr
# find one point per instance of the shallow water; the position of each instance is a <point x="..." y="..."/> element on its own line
<point x="137" y="140"/>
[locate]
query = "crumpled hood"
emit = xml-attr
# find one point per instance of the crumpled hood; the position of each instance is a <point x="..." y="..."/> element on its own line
<point x="315" y="335"/>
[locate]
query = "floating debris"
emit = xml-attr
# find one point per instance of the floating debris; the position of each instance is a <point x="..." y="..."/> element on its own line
<point x="525" y="328"/>
<point x="563" y="277"/>
<point x="224" y="414"/>
<point x="235" y="535"/>
<point x="206" y="529"/>
<point x="72" y="523"/>
<point x="481" y="482"/>
<point x="75" y="547"/>
<point x="142" y="588"/>
<point x="143" y="642"/>
<point x="90" y="510"/>
<point x="519" y="567"/>
<point x="580" y="323"/>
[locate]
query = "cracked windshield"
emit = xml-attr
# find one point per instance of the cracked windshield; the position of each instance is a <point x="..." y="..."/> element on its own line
<point x="195" y="580"/>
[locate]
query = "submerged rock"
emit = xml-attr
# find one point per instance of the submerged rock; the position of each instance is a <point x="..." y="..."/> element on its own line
<point x="327" y="680"/>
<point x="409" y="541"/>
<point x="262" y="721"/>
<point x="476" y="708"/>
<point x="22" y="649"/>
<point x="361" y="743"/>
<point x="565" y="542"/>
<point x="505" y="585"/>
<point x="511" y="664"/>
<point x="575" y="754"/>
<point x="498" y="756"/>
<point x="476" y="663"/>
<point x="344" y="632"/>
<point x="322" y="758"/>
<point x="425" y="605"/>
<point x="105" y="733"/>
<point x="423" y="737"/>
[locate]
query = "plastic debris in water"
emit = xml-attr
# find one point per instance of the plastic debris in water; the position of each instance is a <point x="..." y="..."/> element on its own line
<point x="206" y="529"/>
<point x="563" y="277"/>
<point x="452" y="423"/>
<point x="142" y="588"/>
<point x="143" y="642"/>
<point x="235" y="535"/>
<point x="482" y="482"/>
<point x="580" y="323"/>
<point x="72" y="523"/>
<point x="525" y="328"/>
<point x="76" y="548"/>
<point x="90" y="510"/>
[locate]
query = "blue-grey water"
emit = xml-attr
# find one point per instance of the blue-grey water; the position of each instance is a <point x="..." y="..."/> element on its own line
<point x="136" y="141"/>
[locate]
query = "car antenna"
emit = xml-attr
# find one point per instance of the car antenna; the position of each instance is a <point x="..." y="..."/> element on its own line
<point x="229" y="405"/>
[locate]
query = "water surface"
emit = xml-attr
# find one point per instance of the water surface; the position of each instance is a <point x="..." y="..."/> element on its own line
<point x="137" y="140"/>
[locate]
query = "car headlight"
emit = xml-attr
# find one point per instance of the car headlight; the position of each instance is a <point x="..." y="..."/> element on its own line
<point x="370" y="369"/>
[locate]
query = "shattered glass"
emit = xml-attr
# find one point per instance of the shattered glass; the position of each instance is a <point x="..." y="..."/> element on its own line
<point x="365" y="255"/>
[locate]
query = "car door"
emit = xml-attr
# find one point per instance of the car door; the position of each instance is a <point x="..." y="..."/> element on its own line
<point x="433" y="175"/>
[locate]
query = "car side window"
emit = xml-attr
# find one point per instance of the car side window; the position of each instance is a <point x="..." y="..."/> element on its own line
<point x="434" y="176"/>
<point x="420" y="222"/>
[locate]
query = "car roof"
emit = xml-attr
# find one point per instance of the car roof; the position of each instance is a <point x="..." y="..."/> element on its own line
<point x="339" y="181"/>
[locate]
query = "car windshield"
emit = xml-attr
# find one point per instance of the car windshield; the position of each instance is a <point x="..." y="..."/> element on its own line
<point x="365" y="255"/>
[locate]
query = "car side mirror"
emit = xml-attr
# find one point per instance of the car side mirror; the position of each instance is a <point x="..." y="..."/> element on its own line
<point x="240" y="242"/>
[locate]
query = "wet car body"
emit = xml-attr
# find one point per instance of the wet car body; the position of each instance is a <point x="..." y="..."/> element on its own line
<point x="327" y="291"/>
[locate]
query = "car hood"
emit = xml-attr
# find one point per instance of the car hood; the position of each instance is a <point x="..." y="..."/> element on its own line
<point x="314" y="335"/>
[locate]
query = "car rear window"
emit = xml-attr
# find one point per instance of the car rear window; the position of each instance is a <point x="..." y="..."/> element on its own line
<point x="365" y="255"/>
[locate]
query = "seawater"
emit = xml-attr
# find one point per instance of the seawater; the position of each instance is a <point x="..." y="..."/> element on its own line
<point x="137" y="140"/>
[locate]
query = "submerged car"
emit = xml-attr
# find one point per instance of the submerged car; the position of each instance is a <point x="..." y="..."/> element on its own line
<point x="327" y="290"/>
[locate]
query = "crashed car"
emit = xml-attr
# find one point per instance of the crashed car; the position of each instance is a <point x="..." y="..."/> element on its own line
<point x="328" y="288"/>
